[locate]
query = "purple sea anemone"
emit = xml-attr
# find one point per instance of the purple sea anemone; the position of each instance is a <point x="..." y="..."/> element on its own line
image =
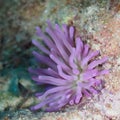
<point x="71" y="68"/>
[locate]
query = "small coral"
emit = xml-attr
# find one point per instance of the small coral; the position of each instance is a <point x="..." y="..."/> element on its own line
<point x="71" y="69"/>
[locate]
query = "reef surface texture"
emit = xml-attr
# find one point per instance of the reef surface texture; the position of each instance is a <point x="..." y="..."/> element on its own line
<point x="98" y="24"/>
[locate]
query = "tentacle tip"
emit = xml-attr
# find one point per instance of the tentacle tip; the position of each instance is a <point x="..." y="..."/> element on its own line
<point x="32" y="108"/>
<point x="77" y="100"/>
<point x="33" y="52"/>
<point x="34" y="42"/>
<point x="48" y="21"/>
<point x="107" y="71"/>
<point x="37" y="28"/>
<point x="106" y="58"/>
<point x="29" y="69"/>
<point x="51" y="56"/>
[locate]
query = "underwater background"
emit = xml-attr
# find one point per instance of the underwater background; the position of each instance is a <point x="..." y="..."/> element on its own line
<point x="98" y="24"/>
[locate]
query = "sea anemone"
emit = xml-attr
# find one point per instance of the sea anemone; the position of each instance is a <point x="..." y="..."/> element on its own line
<point x="71" y="69"/>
